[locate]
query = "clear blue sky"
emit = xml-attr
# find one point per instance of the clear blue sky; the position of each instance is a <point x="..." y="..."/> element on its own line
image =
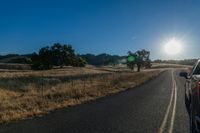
<point x="99" y="26"/>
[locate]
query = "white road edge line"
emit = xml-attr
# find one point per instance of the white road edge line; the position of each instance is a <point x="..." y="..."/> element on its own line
<point x="164" y="122"/>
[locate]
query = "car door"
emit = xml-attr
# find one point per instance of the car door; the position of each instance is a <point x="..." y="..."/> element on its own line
<point x="195" y="84"/>
<point x="190" y="83"/>
<point x="194" y="89"/>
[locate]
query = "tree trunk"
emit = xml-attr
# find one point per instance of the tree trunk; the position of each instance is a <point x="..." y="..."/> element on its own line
<point x="132" y="68"/>
<point x="138" y="66"/>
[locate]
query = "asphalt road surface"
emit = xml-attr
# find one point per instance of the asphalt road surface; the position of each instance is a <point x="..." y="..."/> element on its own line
<point x="155" y="107"/>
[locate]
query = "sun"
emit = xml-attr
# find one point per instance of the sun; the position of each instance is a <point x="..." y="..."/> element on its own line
<point x="173" y="47"/>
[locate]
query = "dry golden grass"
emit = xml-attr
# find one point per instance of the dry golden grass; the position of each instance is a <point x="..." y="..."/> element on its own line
<point x="23" y="96"/>
<point x="166" y="65"/>
<point x="51" y="73"/>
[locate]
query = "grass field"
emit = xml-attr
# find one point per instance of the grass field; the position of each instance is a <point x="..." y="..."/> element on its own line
<point x="25" y="94"/>
<point x="167" y="65"/>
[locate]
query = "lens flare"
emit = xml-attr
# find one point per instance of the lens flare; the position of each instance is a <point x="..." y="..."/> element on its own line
<point x="173" y="47"/>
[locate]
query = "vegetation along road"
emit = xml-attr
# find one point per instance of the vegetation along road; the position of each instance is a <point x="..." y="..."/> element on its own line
<point x="155" y="107"/>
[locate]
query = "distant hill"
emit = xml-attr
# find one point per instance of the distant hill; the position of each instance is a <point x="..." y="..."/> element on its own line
<point x="15" y="58"/>
<point x="103" y="59"/>
<point x="91" y="59"/>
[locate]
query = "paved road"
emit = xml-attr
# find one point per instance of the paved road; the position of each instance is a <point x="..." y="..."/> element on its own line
<point x="155" y="107"/>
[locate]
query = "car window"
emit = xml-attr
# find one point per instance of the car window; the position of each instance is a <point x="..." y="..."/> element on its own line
<point x="197" y="70"/>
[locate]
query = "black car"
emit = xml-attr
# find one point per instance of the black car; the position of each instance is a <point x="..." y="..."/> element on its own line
<point x="192" y="96"/>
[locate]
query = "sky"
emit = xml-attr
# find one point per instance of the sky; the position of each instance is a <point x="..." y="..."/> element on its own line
<point x="101" y="26"/>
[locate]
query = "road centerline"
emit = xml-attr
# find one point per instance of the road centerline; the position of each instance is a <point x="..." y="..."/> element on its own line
<point x="174" y="107"/>
<point x="173" y="100"/>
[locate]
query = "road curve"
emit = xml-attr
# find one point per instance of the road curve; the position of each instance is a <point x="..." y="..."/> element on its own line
<point x="155" y="107"/>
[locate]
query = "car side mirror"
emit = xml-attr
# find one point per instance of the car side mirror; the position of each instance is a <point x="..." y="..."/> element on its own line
<point x="184" y="74"/>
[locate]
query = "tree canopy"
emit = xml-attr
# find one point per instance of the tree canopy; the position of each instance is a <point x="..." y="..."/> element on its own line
<point x="56" y="55"/>
<point x="139" y="58"/>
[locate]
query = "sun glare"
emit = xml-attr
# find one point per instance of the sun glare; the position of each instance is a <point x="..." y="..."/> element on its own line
<point x="173" y="47"/>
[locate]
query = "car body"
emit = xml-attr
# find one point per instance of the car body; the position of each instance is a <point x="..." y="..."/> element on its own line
<point x="192" y="96"/>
